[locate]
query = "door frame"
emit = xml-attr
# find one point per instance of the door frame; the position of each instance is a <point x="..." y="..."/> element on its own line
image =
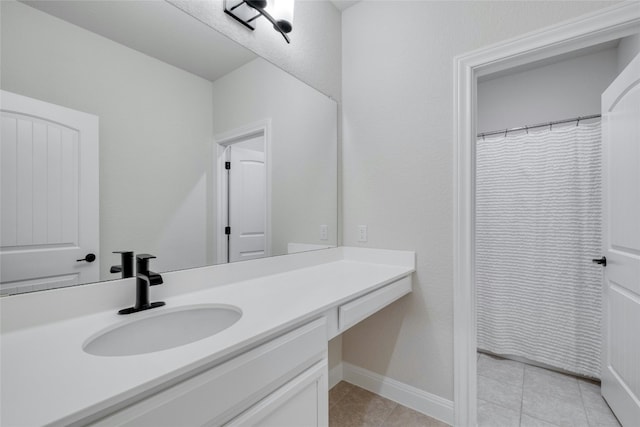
<point x="598" y="27"/>
<point x="221" y="142"/>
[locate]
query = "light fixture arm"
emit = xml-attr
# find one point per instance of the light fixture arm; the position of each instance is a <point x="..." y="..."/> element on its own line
<point x="248" y="22"/>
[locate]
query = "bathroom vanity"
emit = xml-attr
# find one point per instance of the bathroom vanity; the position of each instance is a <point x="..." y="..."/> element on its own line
<point x="268" y="367"/>
<point x="169" y="118"/>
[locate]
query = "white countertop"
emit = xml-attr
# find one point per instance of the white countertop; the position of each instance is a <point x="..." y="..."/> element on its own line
<point x="47" y="377"/>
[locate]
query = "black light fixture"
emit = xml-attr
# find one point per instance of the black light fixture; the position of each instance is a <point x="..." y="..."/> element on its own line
<point x="278" y="12"/>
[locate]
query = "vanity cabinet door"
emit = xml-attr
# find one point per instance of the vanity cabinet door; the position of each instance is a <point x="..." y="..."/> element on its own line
<point x="221" y="393"/>
<point x="302" y="402"/>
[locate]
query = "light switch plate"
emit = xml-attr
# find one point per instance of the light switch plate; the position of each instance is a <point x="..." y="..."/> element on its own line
<point x="324" y="232"/>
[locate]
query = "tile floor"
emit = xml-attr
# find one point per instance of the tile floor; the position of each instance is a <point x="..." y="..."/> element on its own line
<point x="351" y="406"/>
<point x="515" y="394"/>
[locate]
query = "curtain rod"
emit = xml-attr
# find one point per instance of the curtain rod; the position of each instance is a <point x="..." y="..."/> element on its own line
<point x="539" y="125"/>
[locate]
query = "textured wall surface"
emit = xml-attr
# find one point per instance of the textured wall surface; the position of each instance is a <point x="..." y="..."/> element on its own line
<point x="398" y="162"/>
<point x="628" y="48"/>
<point x="144" y="106"/>
<point x="303" y="147"/>
<point x="561" y="90"/>
<point x="314" y="53"/>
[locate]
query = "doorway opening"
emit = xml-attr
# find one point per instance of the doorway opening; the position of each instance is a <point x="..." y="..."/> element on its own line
<point x="243" y="225"/>
<point x="538" y="226"/>
<point x="590" y="30"/>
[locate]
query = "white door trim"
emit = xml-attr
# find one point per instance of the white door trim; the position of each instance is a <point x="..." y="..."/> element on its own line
<point x="607" y="24"/>
<point x="221" y="142"/>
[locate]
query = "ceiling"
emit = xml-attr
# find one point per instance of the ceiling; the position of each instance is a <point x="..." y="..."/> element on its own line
<point x="343" y="4"/>
<point x="157" y="29"/>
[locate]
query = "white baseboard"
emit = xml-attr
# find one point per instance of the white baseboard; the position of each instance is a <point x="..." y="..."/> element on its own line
<point x="404" y="394"/>
<point x="335" y="375"/>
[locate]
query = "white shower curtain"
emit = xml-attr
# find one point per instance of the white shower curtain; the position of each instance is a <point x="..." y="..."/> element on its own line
<point x="538" y="226"/>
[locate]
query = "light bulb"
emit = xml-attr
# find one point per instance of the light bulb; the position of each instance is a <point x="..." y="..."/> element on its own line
<point x="282" y="12"/>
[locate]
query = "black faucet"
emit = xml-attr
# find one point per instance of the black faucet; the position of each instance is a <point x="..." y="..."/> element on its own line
<point x="126" y="264"/>
<point x="144" y="279"/>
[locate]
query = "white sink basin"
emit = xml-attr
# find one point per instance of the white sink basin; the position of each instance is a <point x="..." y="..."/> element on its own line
<point x="162" y="330"/>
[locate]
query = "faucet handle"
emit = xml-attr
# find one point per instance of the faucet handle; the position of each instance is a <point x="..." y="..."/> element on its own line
<point x="144" y="279"/>
<point x="126" y="264"/>
<point x="142" y="261"/>
<point x="124" y="254"/>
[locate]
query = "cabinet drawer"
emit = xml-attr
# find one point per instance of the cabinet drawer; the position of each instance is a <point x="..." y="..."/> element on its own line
<point x="303" y="401"/>
<point x="351" y="313"/>
<point x="221" y="393"/>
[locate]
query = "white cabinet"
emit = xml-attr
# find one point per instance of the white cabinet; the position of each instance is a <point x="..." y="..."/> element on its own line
<point x="299" y="403"/>
<point x="344" y="316"/>
<point x="354" y="311"/>
<point x="280" y="383"/>
<point x="296" y="360"/>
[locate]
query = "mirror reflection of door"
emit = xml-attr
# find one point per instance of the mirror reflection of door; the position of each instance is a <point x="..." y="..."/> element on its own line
<point x="50" y="230"/>
<point x="246" y="199"/>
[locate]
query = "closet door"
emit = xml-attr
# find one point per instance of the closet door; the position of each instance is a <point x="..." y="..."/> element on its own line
<point x="621" y="311"/>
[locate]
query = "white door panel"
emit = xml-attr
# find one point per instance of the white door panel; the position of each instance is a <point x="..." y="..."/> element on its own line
<point x="625" y="269"/>
<point x="621" y="205"/>
<point x="247" y="198"/>
<point x="49" y="195"/>
<point x="624" y="153"/>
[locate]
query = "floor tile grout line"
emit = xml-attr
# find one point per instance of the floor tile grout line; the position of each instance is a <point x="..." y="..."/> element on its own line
<point x="495" y="379"/>
<point x="497" y="404"/>
<point x="610" y="411"/>
<point x="579" y="404"/>
<point x="584" y="407"/>
<point x="562" y="396"/>
<point x="507" y="384"/>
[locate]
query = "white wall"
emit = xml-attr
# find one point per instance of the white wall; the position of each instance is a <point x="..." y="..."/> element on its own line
<point x="561" y="90"/>
<point x="314" y="53"/>
<point x="303" y="147"/>
<point x="154" y="119"/>
<point x="628" y="48"/>
<point x="314" y="56"/>
<point x="397" y="156"/>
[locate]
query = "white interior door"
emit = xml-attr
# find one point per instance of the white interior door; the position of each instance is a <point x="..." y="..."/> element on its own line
<point x="49" y="200"/>
<point x="247" y="202"/>
<point x="621" y="154"/>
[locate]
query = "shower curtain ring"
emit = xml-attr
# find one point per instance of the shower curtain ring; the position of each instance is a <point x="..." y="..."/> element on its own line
<point x="578" y="122"/>
<point x="505" y="132"/>
<point x="527" y="129"/>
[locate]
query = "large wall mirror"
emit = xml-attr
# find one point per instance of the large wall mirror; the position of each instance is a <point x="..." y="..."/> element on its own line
<point x="132" y="126"/>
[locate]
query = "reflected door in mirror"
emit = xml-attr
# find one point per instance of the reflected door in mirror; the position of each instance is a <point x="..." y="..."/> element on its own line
<point x="247" y="200"/>
<point x="49" y="195"/>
